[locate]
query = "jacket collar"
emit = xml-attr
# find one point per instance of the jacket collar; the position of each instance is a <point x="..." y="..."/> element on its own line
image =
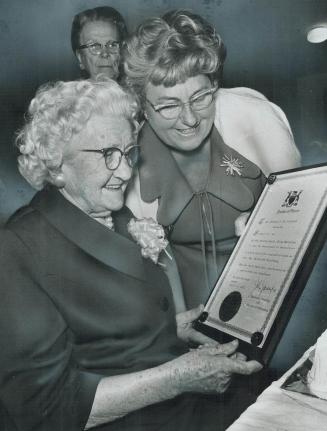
<point x="161" y="178"/>
<point x="231" y="189"/>
<point x="110" y="247"/>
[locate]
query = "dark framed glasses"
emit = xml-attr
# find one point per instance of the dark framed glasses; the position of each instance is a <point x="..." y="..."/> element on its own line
<point x="96" y="48"/>
<point x="113" y="156"/>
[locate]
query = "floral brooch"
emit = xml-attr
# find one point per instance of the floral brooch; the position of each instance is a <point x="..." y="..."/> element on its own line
<point x="232" y="165"/>
<point x="150" y="236"/>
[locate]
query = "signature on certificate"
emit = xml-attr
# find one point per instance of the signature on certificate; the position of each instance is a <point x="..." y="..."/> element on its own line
<point x="262" y="292"/>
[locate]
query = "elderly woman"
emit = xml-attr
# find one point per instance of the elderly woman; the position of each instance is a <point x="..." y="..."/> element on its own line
<point x="88" y="332"/>
<point x="205" y="150"/>
<point x="96" y="36"/>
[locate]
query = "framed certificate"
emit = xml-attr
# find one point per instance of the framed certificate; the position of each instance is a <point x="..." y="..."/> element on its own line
<point x="270" y="264"/>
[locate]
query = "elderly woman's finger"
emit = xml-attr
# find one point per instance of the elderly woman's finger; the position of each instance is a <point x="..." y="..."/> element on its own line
<point x="245" y="367"/>
<point x="189" y="315"/>
<point x="238" y="355"/>
<point x="197" y="337"/>
<point x="211" y="343"/>
<point x="226" y="349"/>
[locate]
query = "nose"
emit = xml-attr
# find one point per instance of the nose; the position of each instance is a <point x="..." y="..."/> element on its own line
<point x="124" y="171"/>
<point x="104" y="53"/>
<point x="188" y="116"/>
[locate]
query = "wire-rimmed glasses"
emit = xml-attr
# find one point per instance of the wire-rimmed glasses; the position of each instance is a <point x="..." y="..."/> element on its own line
<point x="96" y="48"/>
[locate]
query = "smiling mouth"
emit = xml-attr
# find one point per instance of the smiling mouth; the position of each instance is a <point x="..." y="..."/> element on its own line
<point x="189" y="131"/>
<point x="114" y="186"/>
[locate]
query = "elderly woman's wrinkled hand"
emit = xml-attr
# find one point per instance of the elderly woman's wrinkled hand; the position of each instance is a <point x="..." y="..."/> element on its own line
<point x="210" y="369"/>
<point x="187" y="333"/>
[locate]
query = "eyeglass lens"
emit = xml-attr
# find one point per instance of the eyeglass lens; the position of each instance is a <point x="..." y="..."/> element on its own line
<point x="109" y="47"/>
<point x="113" y="157"/>
<point x="199" y="103"/>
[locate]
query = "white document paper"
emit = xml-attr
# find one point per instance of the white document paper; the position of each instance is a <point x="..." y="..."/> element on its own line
<point x="253" y="285"/>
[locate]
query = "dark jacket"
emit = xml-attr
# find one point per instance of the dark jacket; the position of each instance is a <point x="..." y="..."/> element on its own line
<point x="78" y="302"/>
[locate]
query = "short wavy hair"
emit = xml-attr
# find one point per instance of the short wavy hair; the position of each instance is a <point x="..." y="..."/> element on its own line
<point x="171" y="49"/>
<point x="61" y="110"/>
<point x="101" y="13"/>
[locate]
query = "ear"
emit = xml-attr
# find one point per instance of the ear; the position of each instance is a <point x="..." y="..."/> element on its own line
<point x="79" y="58"/>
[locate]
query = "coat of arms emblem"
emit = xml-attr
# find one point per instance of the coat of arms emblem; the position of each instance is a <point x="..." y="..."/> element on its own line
<point x="292" y="198"/>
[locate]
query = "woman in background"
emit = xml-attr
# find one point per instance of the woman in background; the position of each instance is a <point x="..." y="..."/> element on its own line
<point x="205" y="150"/>
<point x="96" y="37"/>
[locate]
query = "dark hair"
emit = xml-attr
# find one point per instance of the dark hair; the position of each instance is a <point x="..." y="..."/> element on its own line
<point x="101" y="13"/>
<point x="171" y="49"/>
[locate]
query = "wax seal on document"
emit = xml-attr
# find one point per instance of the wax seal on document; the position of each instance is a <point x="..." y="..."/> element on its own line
<point x="230" y="306"/>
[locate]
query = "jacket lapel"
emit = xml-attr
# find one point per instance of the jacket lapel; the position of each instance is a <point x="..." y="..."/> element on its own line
<point x="109" y="247"/>
<point x="161" y="178"/>
<point x="231" y="189"/>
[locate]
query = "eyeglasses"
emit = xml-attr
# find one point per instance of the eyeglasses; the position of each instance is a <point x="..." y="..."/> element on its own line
<point x="96" y="48"/>
<point x="172" y="111"/>
<point x="113" y="156"/>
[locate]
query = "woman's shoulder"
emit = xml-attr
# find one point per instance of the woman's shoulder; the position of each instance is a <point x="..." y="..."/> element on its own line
<point x="18" y="241"/>
<point x="248" y="103"/>
<point x="242" y="93"/>
<point x="25" y="218"/>
<point x="253" y="125"/>
<point x="27" y="229"/>
<point x="20" y="216"/>
<point x="248" y="106"/>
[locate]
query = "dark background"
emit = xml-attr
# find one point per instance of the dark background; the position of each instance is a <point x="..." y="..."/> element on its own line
<point x="267" y="50"/>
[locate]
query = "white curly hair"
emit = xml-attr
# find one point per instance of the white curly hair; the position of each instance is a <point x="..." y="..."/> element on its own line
<point x="60" y="110"/>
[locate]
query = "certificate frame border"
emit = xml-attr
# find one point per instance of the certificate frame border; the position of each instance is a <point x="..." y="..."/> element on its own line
<point x="263" y="354"/>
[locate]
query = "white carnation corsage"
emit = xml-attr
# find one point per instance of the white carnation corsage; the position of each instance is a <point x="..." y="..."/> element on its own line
<point x="150" y="236"/>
